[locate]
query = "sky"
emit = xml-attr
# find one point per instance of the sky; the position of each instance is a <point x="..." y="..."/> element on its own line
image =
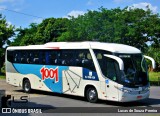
<point x="24" y="12"/>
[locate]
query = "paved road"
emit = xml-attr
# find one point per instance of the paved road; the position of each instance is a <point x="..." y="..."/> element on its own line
<point x="47" y="100"/>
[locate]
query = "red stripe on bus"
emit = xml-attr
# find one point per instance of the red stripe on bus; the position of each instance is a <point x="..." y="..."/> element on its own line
<point x="53" y="47"/>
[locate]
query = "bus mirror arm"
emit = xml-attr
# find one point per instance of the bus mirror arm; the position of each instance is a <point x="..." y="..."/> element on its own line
<point x="152" y="60"/>
<point x="119" y="60"/>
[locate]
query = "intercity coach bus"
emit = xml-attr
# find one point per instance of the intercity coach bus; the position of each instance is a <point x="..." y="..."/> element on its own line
<point x="95" y="70"/>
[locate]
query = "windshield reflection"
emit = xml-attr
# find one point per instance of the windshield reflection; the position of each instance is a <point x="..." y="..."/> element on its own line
<point x="135" y="70"/>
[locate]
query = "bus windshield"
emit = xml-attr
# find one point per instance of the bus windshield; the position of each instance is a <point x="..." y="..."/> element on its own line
<point x="135" y="72"/>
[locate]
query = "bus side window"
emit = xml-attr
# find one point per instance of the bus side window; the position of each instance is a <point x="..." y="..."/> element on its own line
<point x="111" y="69"/>
<point x="36" y="57"/>
<point x="40" y="57"/>
<point x="100" y="58"/>
<point x="27" y="57"/>
<point x="24" y="57"/>
<point x="67" y="58"/>
<point x="58" y="61"/>
<point x="10" y="55"/>
<point x="33" y="57"/>
<point x="84" y="59"/>
<point x="51" y="57"/>
<point x="79" y="57"/>
<point x="48" y="56"/>
<point x="17" y="57"/>
<point x="30" y="57"/>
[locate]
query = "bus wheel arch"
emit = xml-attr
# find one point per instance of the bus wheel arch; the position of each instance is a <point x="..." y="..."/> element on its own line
<point x="26" y="85"/>
<point x="91" y="93"/>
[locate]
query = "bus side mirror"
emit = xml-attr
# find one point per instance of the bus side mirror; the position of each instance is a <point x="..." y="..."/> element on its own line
<point x="152" y="60"/>
<point x="119" y="60"/>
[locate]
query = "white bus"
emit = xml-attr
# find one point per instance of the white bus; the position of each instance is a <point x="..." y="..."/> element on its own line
<point x="95" y="70"/>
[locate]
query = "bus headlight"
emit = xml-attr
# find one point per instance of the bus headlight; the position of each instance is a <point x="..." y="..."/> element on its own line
<point x="146" y="88"/>
<point x="125" y="90"/>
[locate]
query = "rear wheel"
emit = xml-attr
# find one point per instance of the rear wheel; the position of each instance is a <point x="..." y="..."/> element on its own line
<point x="92" y="95"/>
<point x="26" y="86"/>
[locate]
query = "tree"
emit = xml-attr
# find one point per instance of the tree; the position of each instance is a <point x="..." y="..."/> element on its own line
<point x="6" y="31"/>
<point x="154" y="53"/>
<point x="49" y="30"/>
<point x="133" y="27"/>
<point x="25" y="36"/>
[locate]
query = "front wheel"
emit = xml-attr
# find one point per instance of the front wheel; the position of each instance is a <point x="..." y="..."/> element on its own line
<point x="92" y="95"/>
<point x="26" y="86"/>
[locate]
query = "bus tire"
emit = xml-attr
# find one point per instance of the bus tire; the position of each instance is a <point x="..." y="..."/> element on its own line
<point x="26" y="86"/>
<point x="92" y="95"/>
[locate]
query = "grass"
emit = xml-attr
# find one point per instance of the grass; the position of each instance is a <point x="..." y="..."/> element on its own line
<point x="2" y="77"/>
<point x="153" y="76"/>
<point x="2" y="73"/>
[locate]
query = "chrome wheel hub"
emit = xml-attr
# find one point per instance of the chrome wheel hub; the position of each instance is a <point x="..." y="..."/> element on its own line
<point x="92" y="94"/>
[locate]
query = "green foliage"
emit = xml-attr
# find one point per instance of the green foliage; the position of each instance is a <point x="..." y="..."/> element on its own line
<point x="25" y="36"/>
<point x="154" y="53"/>
<point x="2" y="77"/>
<point x="6" y="31"/>
<point x="49" y="30"/>
<point x="128" y="26"/>
<point x="153" y="76"/>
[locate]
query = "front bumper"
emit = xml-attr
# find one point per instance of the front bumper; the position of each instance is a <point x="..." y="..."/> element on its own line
<point x="127" y="97"/>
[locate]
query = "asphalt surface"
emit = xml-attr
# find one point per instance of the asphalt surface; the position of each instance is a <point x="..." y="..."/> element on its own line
<point x="59" y="103"/>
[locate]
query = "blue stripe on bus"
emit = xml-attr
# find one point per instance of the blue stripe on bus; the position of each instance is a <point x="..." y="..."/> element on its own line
<point x="35" y="69"/>
<point x="52" y="83"/>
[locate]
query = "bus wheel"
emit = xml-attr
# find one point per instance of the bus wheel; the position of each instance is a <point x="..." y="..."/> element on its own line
<point x="92" y="95"/>
<point x="26" y="86"/>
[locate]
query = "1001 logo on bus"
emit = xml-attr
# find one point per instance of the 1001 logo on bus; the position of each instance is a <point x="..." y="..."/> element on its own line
<point x="49" y="73"/>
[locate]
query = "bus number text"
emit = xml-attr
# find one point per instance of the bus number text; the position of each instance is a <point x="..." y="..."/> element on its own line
<point x="49" y="73"/>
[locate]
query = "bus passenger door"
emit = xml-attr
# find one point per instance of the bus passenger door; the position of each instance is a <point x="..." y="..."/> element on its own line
<point x="111" y="84"/>
<point x="112" y="72"/>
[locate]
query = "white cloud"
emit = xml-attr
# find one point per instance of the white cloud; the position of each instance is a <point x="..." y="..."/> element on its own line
<point x="143" y="5"/>
<point x="120" y="1"/>
<point x="90" y="2"/>
<point x="17" y="9"/>
<point x="2" y="8"/>
<point x="2" y="1"/>
<point x="38" y="20"/>
<point x="16" y="4"/>
<point x="8" y="23"/>
<point x="75" y="13"/>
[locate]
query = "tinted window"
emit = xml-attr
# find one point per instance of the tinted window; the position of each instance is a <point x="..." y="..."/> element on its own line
<point x="51" y="57"/>
<point x="10" y="56"/>
<point x="109" y="67"/>
<point x="67" y="57"/>
<point x="84" y="59"/>
<point x="81" y="58"/>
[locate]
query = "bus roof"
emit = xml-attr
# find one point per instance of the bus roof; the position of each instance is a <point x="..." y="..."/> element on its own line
<point x="112" y="47"/>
